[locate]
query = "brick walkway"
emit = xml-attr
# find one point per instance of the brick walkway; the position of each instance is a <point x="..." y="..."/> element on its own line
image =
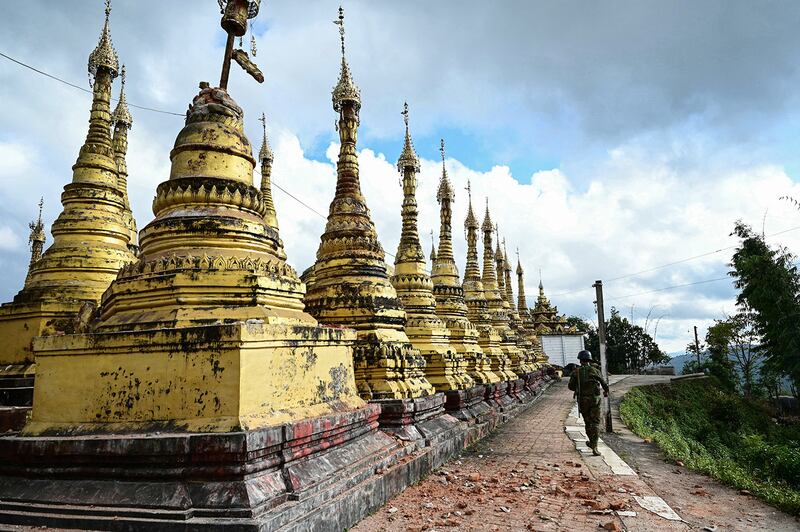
<point x="526" y="476"/>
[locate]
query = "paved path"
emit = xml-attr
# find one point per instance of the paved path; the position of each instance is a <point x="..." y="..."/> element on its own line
<point x="526" y="476"/>
<point x="700" y="501"/>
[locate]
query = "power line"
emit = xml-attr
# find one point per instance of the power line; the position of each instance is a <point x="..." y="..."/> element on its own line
<point x="43" y="73"/>
<point x="681" y="261"/>
<point x="315" y="211"/>
<point x="309" y="207"/>
<point x="671" y="287"/>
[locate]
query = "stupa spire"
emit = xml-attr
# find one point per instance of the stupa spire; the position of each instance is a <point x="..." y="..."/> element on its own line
<point x="104" y="55"/>
<point x="489" y="271"/>
<point x="522" y="304"/>
<point x="500" y="268"/>
<point x="433" y="247"/>
<point x="266" y="157"/>
<point x="408" y="164"/>
<point x="445" y="196"/>
<point x="349" y="284"/>
<point x="94" y="204"/>
<point x="507" y="272"/>
<point x="472" y="270"/>
<point x="103" y="68"/>
<point x="37" y="237"/>
<point x="123" y="121"/>
<point x="414" y="286"/>
<point x="345" y="90"/>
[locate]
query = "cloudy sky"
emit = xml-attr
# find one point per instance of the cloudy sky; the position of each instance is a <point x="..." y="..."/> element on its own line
<point x="610" y="138"/>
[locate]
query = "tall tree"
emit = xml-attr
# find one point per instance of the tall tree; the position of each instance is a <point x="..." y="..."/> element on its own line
<point x="770" y="285"/>
<point x="629" y="348"/>
<point x="736" y="337"/>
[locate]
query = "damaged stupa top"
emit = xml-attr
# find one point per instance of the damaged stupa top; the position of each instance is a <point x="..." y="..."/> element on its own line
<point x="104" y="55"/>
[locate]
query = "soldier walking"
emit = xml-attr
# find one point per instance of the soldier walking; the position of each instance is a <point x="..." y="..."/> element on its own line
<point x="586" y="382"/>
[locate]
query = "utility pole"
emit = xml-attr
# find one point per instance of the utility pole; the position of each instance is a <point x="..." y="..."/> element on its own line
<point x="601" y="332"/>
<point x="696" y="345"/>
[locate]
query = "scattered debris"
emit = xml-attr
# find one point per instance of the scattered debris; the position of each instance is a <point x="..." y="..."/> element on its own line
<point x="626" y="513"/>
<point x="392" y="510"/>
<point x="611" y="525"/>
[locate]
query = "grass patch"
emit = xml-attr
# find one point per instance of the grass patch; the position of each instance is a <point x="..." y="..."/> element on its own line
<point x="722" y="435"/>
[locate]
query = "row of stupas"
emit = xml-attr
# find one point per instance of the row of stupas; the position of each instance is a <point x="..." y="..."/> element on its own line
<point x="192" y="377"/>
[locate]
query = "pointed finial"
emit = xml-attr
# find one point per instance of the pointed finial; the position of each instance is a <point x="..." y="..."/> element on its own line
<point x="541" y="286"/>
<point x="445" y="190"/>
<point x="433" y="246"/>
<point x="104" y="54"/>
<point x="408" y="157"/>
<point x="469" y="191"/>
<point x="265" y="154"/>
<point x="41" y="205"/>
<point x="345" y="89"/>
<point x="122" y="114"/>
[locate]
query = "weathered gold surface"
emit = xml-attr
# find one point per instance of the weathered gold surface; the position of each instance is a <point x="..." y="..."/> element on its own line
<point x="527" y="327"/>
<point x="90" y="239"/>
<point x="445" y="369"/>
<point x="123" y="121"/>
<point x="266" y="157"/>
<point x="477" y="304"/>
<point x="349" y="283"/>
<point x="450" y="304"/>
<point x="497" y="310"/>
<point x="206" y="330"/>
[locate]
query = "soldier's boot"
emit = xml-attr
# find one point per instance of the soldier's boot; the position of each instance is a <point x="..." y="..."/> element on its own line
<point x="595" y="452"/>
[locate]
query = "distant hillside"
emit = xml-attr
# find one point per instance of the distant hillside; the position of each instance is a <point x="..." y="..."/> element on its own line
<point x="678" y="360"/>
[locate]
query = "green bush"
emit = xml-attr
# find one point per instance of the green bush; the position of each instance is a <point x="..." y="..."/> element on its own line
<point x="722" y="435"/>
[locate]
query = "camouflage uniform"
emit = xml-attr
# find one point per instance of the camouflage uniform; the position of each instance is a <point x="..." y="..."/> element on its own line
<point x="586" y="381"/>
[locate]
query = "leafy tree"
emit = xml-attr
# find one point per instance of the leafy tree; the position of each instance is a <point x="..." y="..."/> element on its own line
<point x="735" y="336"/>
<point x="719" y="339"/>
<point x="628" y="347"/>
<point x="770" y="285"/>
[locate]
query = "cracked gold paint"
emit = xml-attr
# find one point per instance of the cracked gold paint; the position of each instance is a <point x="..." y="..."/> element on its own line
<point x="349" y="285"/>
<point x="206" y="330"/>
<point x="90" y="239"/>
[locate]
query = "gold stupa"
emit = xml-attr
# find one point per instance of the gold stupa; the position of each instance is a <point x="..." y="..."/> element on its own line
<point x="477" y="304"/>
<point x="445" y="369"/>
<point x="91" y="239"/>
<point x="348" y="285"/>
<point x="450" y="303"/>
<point x="206" y="329"/>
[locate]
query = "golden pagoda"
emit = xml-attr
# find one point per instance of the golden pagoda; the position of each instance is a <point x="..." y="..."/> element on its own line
<point x="90" y="238"/>
<point x="37" y="238"/>
<point x="450" y="304"/>
<point x="526" y="320"/>
<point x="445" y="370"/>
<point x="527" y="366"/>
<point x="497" y="307"/>
<point x="206" y="396"/>
<point x="478" y="310"/>
<point x="546" y="318"/>
<point x="266" y="157"/>
<point x="349" y="285"/>
<point x="122" y="122"/>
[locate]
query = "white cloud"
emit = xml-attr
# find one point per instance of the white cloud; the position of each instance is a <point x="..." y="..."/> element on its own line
<point x="9" y="240"/>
